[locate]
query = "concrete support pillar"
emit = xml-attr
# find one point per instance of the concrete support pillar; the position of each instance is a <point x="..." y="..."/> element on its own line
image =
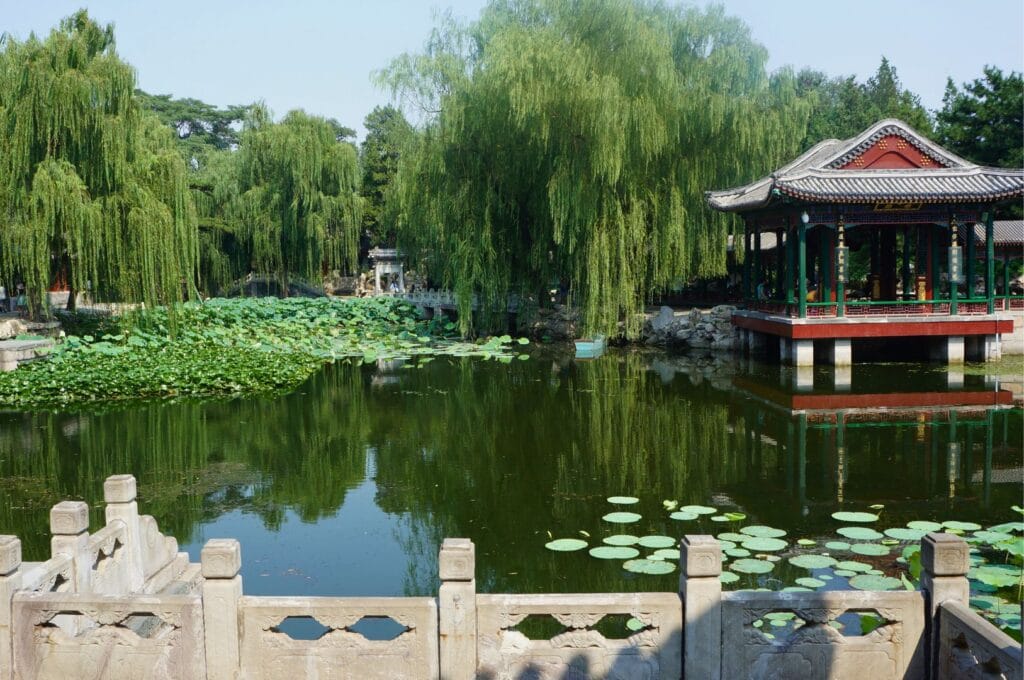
<point x="955" y="377"/>
<point x="785" y="349"/>
<point x="955" y="349"/>
<point x="10" y="581"/>
<point x="992" y="348"/>
<point x="803" y="378"/>
<point x="757" y="342"/>
<point x="119" y="492"/>
<point x="401" y="280"/>
<point x="802" y="352"/>
<point x="701" y="592"/>
<point x="457" y="609"/>
<point x="944" y="564"/>
<point x="841" y="352"/>
<point x="842" y="378"/>
<point x="376" y="281"/>
<point x="221" y="560"/>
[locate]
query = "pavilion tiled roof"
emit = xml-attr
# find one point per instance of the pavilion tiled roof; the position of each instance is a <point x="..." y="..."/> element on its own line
<point x="1004" y="232"/>
<point x="817" y="177"/>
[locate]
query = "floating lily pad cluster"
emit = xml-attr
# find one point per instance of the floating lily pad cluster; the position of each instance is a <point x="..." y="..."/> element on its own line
<point x="859" y="557"/>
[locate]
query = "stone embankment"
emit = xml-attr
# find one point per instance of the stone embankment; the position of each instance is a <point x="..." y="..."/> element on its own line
<point x="696" y="329"/>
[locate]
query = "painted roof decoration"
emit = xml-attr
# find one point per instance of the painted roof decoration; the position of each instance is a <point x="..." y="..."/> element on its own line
<point x="888" y="162"/>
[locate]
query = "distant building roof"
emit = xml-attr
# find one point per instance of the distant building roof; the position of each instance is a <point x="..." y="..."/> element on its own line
<point x="888" y="162"/>
<point x="1004" y="232"/>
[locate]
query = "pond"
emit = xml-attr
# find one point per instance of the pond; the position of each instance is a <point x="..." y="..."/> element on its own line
<point x="348" y="485"/>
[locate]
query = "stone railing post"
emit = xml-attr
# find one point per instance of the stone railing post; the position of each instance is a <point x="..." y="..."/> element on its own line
<point x="457" y="609"/>
<point x="69" y="524"/>
<point x="701" y="593"/>
<point x="221" y="560"/>
<point x="945" y="560"/>
<point x="119" y="492"/>
<point x="10" y="580"/>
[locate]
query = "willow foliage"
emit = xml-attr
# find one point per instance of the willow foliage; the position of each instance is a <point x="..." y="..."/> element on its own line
<point x="572" y="141"/>
<point x="298" y="206"/>
<point x="91" y="188"/>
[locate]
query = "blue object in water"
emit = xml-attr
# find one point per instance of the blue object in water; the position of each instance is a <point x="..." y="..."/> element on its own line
<point x="590" y="348"/>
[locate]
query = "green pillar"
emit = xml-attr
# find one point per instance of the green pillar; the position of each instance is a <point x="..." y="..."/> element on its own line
<point x="1006" y="279"/>
<point x="908" y="285"/>
<point x="990" y="264"/>
<point x="933" y="262"/>
<point x="969" y="256"/>
<point x="825" y="257"/>
<point x="780" y="263"/>
<point x="801" y="271"/>
<point x="746" y="262"/>
<point x="790" y="257"/>
<point x="758" y="275"/>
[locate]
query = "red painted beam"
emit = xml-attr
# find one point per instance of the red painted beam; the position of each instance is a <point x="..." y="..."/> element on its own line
<point x="899" y="400"/>
<point x="872" y="329"/>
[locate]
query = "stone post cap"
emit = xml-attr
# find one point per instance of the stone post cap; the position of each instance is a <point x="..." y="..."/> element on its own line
<point x="10" y="554"/>
<point x="69" y="518"/>
<point x="457" y="561"/>
<point x="119" y="489"/>
<point x="221" y="558"/>
<point x="944" y="555"/>
<point x="700" y="555"/>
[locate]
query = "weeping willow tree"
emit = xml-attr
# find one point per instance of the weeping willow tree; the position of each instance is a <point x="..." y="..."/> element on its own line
<point x="92" y="190"/>
<point x="571" y="142"/>
<point x="298" y="208"/>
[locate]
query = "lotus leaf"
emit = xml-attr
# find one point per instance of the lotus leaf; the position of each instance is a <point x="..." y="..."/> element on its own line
<point x="732" y="536"/>
<point x="854" y="516"/>
<point x="992" y="537"/>
<point x="613" y="552"/>
<point x="901" y="534"/>
<point x="762" y="531"/>
<point x="873" y="549"/>
<point x="844" y="572"/>
<point x="837" y="545"/>
<point x="961" y="526"/>
<point x="809" y="582"/>
<point x="622" y="517"/>
<point x="924" y="525"/>
<point x="726" y="545"/>
<point x="860" y="533"/>
<point x="566" y="545"/>
<point x="621" y="539"/>
<point x="759" y="544"/>
<point x="749" y="566"/>
<point x="728" y="577"/>
<point x="737" y="552"/>
<point x="698" y="509"/>
<point x="683" y="515"/>
<point x="872" y="582"/>
<point x="797" y="589"/>
<point x="667" y="553"/>
<point x="635" y="624"/>
<point x="649" y="567"/>
<point x="812" y="561"/>
<point x="998" y="575"/>
<point x="657" y="541"/>
<point x="1008" y="527"/>
<point x="806" y="542"/>
<point x="735" y="516"/>
<point x="623" y="500"/>
<point x="850" y="565"/>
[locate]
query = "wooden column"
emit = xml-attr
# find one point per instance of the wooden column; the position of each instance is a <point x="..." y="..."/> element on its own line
<point x="758" y="275"/>
<point x="970" y="256"/>
<point x="790" y="257"/>
<point x="1006" y="279"/>
<point x="801" y="271"/>
<point x="746" y="262"/>
<point x="990" y="264"/>
<point x="780" y="263"/>
<point x="825" y="258"/>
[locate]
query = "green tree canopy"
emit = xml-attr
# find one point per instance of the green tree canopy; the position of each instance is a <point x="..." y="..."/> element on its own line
<point x="844" y="108"/>
<point x="297" y="207"/>
<point x="198" y="126"/>
<point x="572" y="142"/>
<point x="387" y="132"/>
<point x="91" y="188"/>
<point x="983" y="120"/>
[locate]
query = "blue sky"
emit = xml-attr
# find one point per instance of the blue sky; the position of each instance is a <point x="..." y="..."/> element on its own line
<point x="318" y="55"/>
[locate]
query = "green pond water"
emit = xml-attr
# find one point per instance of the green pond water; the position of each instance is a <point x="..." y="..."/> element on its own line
<point x="348" y="485"/>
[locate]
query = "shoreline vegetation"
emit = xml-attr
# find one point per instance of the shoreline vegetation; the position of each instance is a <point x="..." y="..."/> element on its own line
<point x="231" y="347"/>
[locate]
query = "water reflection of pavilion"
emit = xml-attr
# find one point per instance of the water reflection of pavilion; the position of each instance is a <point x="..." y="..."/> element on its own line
<point x="908" y="206"/>
<point x="928" y="446"/>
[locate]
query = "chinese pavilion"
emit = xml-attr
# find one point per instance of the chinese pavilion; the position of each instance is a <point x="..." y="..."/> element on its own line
<point x="913" y="206"/>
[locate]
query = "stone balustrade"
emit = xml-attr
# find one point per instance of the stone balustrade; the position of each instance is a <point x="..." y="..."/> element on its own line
<point x="123" y="603"/>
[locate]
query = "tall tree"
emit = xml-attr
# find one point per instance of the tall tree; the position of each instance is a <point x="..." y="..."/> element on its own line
<point x="199" y="127"/>
<point x="572" y="142"/>
<point x="983" y="119"/>
<point x="91" y="188"/>
<point x="298" y="209"/>
<point x="387" y="132"/>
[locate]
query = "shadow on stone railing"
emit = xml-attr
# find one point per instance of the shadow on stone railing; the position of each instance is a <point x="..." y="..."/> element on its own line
<point x="123" y="603"/>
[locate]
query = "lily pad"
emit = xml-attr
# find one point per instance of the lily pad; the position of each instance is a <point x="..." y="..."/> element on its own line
<point x="812" y="561"/>
<point x="657" y="541"/>
<point x="749" y="566"/>
<point x="762" y="531"/>
<point x="731" y="536"/>
<point x="924" y="525"/>
<point x="1008" y="526"/>
<point x="620" y="539"/>
<point x="635" y="624"/>
<point x="859" y="533"/>
<point x="726" y="545"/>
<point x="992" y="537"/>
<point x="872" y="582"/>
<point x="613" y="552"/>
<point x="901" y="534"/>
<point x="623" y="500"/>
<point x="760" y="544"/>
<point x="845" y="572"/>
<point x="737" y="552"/>
<point x="735" y="516"/>
<point x="837" y="545"/>
<point x="873" y="549"/>
<point x="728" y="577"/>
<point x="855" y="516"/>
<point x="806" y="542"/>
<point x="850" y="565"/>
<point x="699" y="509"/>
<point x="649" y="567"/>
<point x="667" y="553"/>
<point x="683" y="515"/>
<point x="719" y="518"/>
<point x="961" y="526"/>
<point x="809" y="582"/>
<point x="795" y="589"/>
<point x="622" y="517"/>
<point x="998" y="575"/>
<point x="566" y="545"/>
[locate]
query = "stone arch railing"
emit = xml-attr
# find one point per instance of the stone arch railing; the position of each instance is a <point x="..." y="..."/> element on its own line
<point x="124" y="603"/>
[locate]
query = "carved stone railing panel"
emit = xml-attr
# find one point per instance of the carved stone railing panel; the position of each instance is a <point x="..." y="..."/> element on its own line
<point x="653" y="652"/>
<point x="53" y="575"/>
<point x="340" y="652"/>
<point x="136" y="637"/>
<point x="814" y="648"/>
<point x="157" y="550"/>
<point x="971" y="647"/>
<point x="105" y="552"/>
